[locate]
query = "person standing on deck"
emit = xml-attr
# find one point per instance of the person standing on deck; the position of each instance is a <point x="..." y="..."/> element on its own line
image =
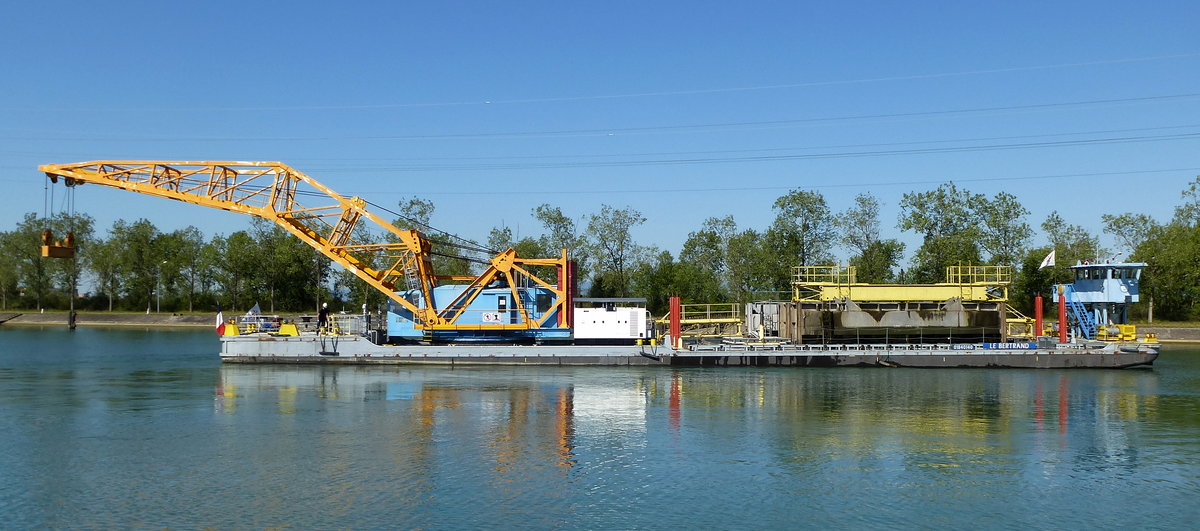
<point x="323" y="317"/>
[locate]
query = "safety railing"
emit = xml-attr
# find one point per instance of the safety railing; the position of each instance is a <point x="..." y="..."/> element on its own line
<point x="979" y="274"/>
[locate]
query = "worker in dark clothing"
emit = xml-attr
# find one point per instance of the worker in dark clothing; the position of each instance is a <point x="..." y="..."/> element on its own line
<point x="323" y="317"/>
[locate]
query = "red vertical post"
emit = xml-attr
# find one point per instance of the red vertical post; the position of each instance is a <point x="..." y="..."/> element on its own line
<point x="562" y="283"/>
<point x="1037" y="315"/>
<point x="572" y="291"/>
<point x="1062" y="318"/>
<point x="676" y="327"/>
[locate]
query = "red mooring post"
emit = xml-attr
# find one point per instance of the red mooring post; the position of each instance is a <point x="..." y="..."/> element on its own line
<point x="1037" y="315"/>
<point x="676" y="328"/>
<point x="1062" y="318"/>
<point x="572" y="292"/>
<point x="562" y="283"/>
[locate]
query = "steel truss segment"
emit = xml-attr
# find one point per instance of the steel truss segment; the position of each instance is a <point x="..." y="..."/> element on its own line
<point x="239" y="187"/>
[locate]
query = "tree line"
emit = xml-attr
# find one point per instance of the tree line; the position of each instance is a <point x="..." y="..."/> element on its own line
<point x="135" y="266"/>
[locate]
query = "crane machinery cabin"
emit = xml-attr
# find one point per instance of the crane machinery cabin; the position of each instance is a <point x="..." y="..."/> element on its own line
<point x="508" y="302"/>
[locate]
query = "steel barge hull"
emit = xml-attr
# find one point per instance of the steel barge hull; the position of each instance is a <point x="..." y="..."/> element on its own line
<point x="357" y="350"/>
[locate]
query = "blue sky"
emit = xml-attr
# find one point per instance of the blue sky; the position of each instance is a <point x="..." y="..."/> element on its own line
<point x="682" y="110"/>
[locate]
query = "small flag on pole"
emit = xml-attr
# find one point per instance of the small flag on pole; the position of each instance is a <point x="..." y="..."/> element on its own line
<point x="1048" y="261"/>
<point x="220" y="322"/>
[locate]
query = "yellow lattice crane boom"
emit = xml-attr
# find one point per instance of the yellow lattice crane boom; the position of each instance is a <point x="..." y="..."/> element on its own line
<point x="273" y="191"/>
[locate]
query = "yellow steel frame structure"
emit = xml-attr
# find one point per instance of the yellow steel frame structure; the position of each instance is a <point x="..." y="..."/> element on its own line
<point x="969" y="283"/>
<point x="708" y="320"/>
<point x="270" y="190"/>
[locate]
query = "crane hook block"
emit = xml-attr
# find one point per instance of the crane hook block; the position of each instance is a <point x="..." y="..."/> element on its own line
<point x="64" y="248"/>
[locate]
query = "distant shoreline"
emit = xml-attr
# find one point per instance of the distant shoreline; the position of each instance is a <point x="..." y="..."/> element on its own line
<point x="110" y="319"/>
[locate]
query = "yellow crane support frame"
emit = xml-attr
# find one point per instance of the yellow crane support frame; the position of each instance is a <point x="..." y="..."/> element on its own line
<point x="967" y="282"/>
<point x="708" y="320"/>
<point x="269" y="190"/>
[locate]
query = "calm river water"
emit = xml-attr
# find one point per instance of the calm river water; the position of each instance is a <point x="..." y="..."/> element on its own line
<point x="108" y="427"/>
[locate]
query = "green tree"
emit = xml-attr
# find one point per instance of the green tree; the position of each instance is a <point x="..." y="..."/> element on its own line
<point x="859" y="224"/>
<point x="875" y="263"/>
<point x="237" y="267"/>
<point x="501" y="238"/>
<point x="142" y="255"/>
<point x="705" y="257"/>
<point x="1188" y="213"/>
<point x="68" y="271"/>
<point x="947" y="220"/>
<point x="1129" y="229"/>
<point x="22" y="246"/>
<point x="656" y="281"/>
<point x="283" y="273"/>
<point x="1071" y="244"/>
<point x="450" y="252"/>
<point x="1004" y="235"/>
<point x="178" y="249"/>
<point x="874" y="259"/>
<point x="662" y="277"/>
<point x="107" y="268"/>
<point x="802" y="233"/>
<point x="415" y="213"/>
<point x="47" y="282"/>
<point x="187" y="263"/>
<point x="611" y="232"/>
<point x="752" y="274"/>
<point x="8" y="271"/>
<point x="563" y="233"/>
<point x="1172" y="279"/>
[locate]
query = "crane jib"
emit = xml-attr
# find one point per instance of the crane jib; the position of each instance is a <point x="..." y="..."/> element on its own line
<point x="331" y="224"/>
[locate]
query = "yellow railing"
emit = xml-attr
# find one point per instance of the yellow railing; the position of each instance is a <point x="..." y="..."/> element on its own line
<point x="979" y="274"/>
<point x="709" y="320"/>
<point x="966" y="282"/>
<point x="837" y="274"/>
<point x="710" y="313"/>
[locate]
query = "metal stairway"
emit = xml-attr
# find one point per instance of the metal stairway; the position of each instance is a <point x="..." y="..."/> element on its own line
<point x="1079" y="315"/>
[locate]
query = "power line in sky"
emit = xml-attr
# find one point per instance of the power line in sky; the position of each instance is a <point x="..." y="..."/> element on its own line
<point x="638" y="130"/>
<point x="801" y="186"/>
<point x="763" y="158"/>
<point x="595" y="97"/>
<point x="755" y="150"/>
<point x="770" y="158"/>
<point x="301" y="160"/>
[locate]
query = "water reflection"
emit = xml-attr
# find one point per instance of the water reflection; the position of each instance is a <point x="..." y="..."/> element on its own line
<point x="554" y="447"/>
<point x="533" y="417"/>
<point x="513" y="421"/>
<point x="153" y="434"/>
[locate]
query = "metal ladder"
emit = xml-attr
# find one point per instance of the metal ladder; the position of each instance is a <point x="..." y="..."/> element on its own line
<point x="1079" y="315"/>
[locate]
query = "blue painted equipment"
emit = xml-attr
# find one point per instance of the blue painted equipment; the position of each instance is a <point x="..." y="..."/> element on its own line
<point x="488" y="317"/>
<point x="1099" y="298"/>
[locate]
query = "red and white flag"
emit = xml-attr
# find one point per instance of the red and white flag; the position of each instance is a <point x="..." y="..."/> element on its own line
<point x="220" y="322"/>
